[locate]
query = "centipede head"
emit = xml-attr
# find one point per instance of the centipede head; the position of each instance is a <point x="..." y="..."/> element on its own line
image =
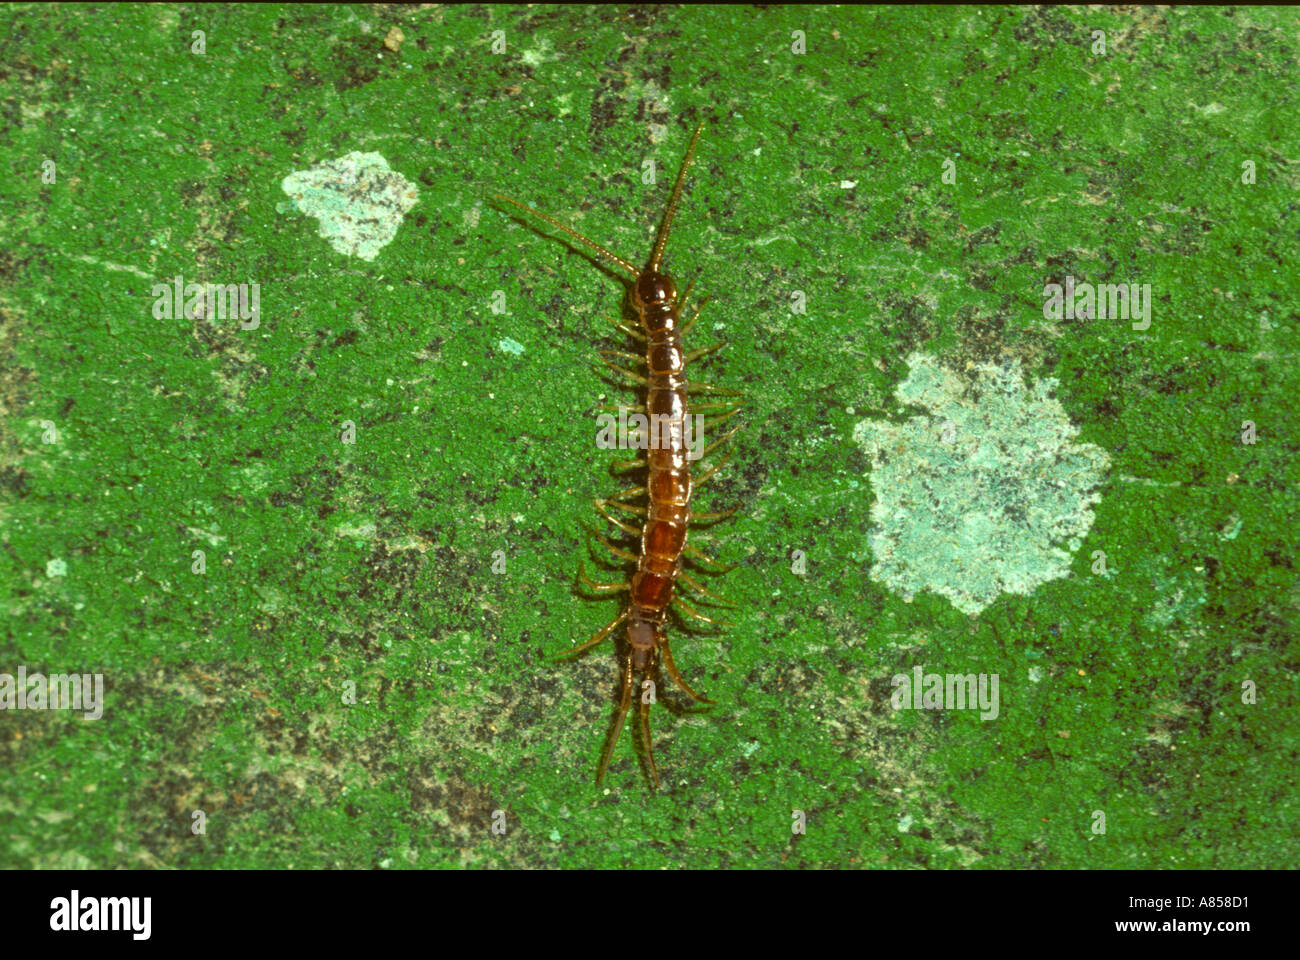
<point x="653" y="288"/>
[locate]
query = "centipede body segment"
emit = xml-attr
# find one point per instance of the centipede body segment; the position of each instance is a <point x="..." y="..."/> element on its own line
<point x="669" y="488"/>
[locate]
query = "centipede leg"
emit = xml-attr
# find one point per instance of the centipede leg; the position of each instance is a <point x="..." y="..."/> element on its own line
<point x="599" y="587"/>
<point x="713" y="517"/>
<point x="616" y="551"/>
<point x="686" y="295"/>
<point x="677" y="677"/>
<point x="638" y="408"/>
<point x="624" y="702"/>
<point x="705" y="351"/>
<point x="627" y="373"/>
<point x="725" y="437"/>
<point x="721" y="440"/>
<point x="701" y="588"/>
<point x="704" y="477"/>
<point x="630" y="508"/>
<point x="690" y="324"/>
<point x="695" y="614"/>
<point x="634" y="334"/>
<point x="622" y="355"/>
<point x="725" y="417"/>
<point x="601" y="634"/>
<point x="627" y="464"/>
<point x="710" y="388"/>
<point x="695" y="553"/>
<point x="625" y="527"/>
<point x="629" y="492"/>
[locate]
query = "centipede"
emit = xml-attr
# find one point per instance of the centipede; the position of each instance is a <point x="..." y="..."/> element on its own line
<point x="659" y="564"/>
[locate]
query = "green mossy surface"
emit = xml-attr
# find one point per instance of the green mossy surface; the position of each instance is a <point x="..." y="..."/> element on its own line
<point x="330" y="564"/>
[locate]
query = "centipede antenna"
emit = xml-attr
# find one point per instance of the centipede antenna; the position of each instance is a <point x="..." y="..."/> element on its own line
<point x="612" y="258"/>
<point x="656" y="257"/>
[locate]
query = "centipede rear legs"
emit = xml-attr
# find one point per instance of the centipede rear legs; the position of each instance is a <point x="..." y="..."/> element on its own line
<point x="647" y="742"/>
<point x="620" y="716"/>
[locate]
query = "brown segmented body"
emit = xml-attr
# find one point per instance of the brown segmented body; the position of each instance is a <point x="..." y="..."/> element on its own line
<point x="668" y="479"/>
<point x="669" y="487"/>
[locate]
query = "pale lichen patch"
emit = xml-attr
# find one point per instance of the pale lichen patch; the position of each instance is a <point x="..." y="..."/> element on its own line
<point x="984" y="494"/>
<point x="358" y="200"/>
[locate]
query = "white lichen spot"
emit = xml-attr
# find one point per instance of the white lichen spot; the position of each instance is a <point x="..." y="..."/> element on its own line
<point x="538" y="55"/>
<point x="56" y="568"/>
<point x="1181" y="594"/>
<point x="358" y="200"/>
<point x="357" y="530"/>
<point x="976" y="498"/>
